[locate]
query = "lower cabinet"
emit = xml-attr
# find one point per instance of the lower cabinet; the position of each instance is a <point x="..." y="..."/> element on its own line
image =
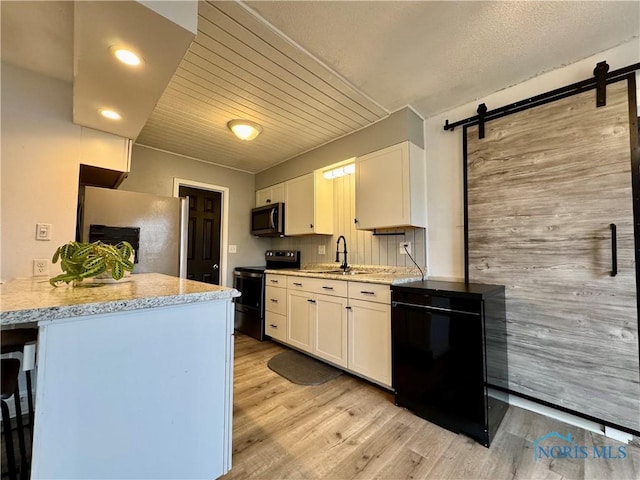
<point x="300" y="313"/>
<point x="276" y="308"/>
<point x="330" y="322"/>
<point x="369" y="334"/>
<point x="350" y="328"/>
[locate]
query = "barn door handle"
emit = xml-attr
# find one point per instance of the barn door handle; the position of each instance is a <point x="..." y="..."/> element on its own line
<point x="614" y="249"/>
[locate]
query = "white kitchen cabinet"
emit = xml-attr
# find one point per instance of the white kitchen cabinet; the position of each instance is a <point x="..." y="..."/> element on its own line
<point x="269" y="195"/>
<point x="300" y="319"/>
<point x="276" y="312"/>
<point x="104" y="150"/>
<point x="391" y="188"/>
<point x="308" y="205"/>
<point x="369" y="334"/>
<point x="316" y="316"/>
<point x="330" y="332"/>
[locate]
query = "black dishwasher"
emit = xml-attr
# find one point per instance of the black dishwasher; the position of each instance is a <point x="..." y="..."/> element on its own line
<point x="448" y="349"/>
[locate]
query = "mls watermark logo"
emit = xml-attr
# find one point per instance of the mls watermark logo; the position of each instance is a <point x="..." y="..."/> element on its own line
<point x="553" y="445"/>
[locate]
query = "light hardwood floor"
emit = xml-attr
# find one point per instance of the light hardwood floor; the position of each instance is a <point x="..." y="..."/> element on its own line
<point x="347" y="428"/>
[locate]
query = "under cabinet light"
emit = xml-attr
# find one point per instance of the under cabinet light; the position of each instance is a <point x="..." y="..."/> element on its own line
<point x="340" y="171"/>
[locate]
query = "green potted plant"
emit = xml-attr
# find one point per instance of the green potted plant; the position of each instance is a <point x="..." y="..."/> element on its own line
<point x="84" y="260"/>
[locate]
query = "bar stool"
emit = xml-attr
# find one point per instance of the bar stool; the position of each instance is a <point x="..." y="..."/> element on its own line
<point x="18" y="340"/>
<point x="10" y="368"/>
<point x="22" y="340"/>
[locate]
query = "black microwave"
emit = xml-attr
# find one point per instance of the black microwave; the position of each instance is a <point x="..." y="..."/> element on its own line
<point x="268" y="221"/>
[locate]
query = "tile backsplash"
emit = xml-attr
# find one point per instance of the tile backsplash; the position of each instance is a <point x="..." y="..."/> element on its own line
<point x="363" y="247"/>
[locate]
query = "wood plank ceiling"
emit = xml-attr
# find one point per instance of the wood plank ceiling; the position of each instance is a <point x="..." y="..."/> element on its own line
<point x="238" y="67"/>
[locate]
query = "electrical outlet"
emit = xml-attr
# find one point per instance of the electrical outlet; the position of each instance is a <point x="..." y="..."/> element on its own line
<point x="233" y="249"/>
<point x="401" y="247"/>
<point x="322" y="250"/>
<point x="40" y="267"/>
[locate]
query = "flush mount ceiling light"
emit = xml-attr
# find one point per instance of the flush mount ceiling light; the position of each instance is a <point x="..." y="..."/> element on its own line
<point x="244" y="129"/>
<point x="126" y="56"/>
<point x="110" y="114"/>
<point x="340" y="171"/>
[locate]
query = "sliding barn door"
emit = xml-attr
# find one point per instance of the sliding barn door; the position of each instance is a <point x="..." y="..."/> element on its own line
<point x="543" y="188"/>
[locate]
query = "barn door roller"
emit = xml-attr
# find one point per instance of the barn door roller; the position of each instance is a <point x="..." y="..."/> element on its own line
<point x="600" y="72"/>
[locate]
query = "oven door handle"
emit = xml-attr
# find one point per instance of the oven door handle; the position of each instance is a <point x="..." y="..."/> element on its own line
<point x="247" y="275"/>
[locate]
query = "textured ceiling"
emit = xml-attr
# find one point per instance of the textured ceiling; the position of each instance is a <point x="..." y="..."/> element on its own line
<point x="438" y="55"/>
<point x="313" y="71"/>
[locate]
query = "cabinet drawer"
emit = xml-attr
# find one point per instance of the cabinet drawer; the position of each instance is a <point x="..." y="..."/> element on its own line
<point x="337" y="288"/>
<point x="276" y="325"/>
<point x="275" y="300"/>
<point x="274" y="280"/>
<point x="372" y="292"/>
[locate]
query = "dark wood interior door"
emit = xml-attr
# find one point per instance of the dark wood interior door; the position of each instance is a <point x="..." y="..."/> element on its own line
<point x="203" y="243"/>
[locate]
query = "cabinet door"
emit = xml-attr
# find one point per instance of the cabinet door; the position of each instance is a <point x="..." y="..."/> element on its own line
<point x="330" y="339"/>
<point x="300" y="310"/>
<point x="269" y="195"/>
<point x="369" y="333"/>
<point x="277" y="193"/>
<point x="263" y="197"/>
<point x="276" y="326"/>
<point x="299" y="202"/>
<point x="382" y="188"/>
<point x="275" y="300"/>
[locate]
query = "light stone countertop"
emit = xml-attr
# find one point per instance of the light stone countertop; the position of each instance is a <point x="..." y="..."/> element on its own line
<point x="34" y="299"/>
<point x="366" y="273"/>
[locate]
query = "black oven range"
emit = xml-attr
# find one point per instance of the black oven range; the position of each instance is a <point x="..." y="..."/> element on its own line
<point x="250" y="281"/>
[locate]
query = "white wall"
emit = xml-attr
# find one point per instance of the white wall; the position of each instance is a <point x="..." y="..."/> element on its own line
<point x="39" y="168"/>
<point x="445" y="235"/>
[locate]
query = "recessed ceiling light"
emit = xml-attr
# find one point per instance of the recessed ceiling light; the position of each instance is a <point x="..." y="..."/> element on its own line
<point x="126" y="56"/>
<point x="110" y="114"/>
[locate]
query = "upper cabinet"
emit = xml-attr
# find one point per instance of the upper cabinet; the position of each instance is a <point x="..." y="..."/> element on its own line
<point x="100" y="149"/>
<point x="391" y="188"/>
<point x="308" y="205"/>
<point x="269" y="195"/>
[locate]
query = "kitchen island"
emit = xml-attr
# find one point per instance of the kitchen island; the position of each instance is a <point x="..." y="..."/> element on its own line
<point x="134" y="379"/>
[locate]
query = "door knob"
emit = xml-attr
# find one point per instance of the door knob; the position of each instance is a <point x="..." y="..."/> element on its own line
<point x="215" y="266"/>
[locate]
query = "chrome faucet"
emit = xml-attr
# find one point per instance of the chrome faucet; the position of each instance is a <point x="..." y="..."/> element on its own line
<point x="344" y="265"/>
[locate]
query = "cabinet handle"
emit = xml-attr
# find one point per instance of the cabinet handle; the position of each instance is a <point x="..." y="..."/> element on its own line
<point x="273" y="326"/>
<point x="297" y="284"/>
<point x="274" y="300"/>
<point x="328" y="288"/>
<point x="274" y="281"/>
<point x="364" y="292"/>
<point x="268" y="200"/>
<point x="348" y="308"/>
<point x="311" y="225"/>
<point x="614" y="249"/>
<point x="311" y="301"/>
<point x="355" y="220"/>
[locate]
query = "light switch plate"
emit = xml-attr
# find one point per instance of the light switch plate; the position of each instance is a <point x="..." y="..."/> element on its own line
<point x="233" y="249"/>
<point x="43" y="231"/>
<point x="322" y="250"/>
